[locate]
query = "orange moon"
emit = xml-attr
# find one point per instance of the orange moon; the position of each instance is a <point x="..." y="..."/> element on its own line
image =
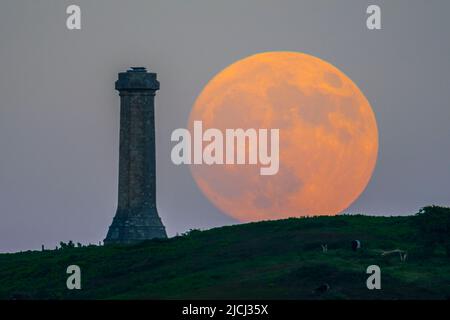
<point x="328" y="137"/>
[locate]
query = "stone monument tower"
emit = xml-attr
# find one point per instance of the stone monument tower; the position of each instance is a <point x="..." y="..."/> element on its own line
<point x="136" y="217"/>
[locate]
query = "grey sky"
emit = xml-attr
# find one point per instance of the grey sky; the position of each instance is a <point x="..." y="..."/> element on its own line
<point x="59" y="110"/>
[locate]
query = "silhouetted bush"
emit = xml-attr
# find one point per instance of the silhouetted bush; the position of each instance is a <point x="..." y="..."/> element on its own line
<point x="433" y="225"/>
<point x="68" y="245"/>
<point x="191" y="232"/>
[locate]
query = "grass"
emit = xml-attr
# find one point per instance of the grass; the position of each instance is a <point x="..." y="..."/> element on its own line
<point x="266" y="260"/>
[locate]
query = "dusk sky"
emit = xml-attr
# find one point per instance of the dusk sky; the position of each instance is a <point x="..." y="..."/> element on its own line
<point x="59" y="112"/>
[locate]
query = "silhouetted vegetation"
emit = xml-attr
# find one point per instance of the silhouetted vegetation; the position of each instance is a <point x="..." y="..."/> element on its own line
<point x="68" y="245"/>
<point x="433" y="224"/>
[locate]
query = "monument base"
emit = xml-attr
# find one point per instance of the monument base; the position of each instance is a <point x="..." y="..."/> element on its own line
<point x="133" y="227"/>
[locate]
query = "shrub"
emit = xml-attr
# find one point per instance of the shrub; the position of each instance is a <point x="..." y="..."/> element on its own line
<point x="433" y="226"/>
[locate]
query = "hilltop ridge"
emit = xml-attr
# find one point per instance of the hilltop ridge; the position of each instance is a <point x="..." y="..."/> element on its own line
<point x="280" y="259"/>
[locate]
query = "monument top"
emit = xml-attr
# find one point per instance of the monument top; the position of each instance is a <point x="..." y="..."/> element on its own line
<point x="137" y="69"/>
<point x="137" y="79"/>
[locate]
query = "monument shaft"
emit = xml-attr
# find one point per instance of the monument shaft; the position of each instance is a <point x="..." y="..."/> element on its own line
<point x="136" y="218"/>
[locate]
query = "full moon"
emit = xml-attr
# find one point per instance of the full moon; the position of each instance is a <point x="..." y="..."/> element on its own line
<point x="327" y="130"/>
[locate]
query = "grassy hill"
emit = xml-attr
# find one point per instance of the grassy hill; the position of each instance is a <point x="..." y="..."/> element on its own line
<point x="266" y="260"/>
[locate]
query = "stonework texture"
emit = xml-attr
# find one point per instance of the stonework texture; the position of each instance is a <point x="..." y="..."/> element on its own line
<point x="136" y="217"/>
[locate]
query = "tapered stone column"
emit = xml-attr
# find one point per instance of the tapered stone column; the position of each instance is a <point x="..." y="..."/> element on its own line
<point x="136" y="217"/>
